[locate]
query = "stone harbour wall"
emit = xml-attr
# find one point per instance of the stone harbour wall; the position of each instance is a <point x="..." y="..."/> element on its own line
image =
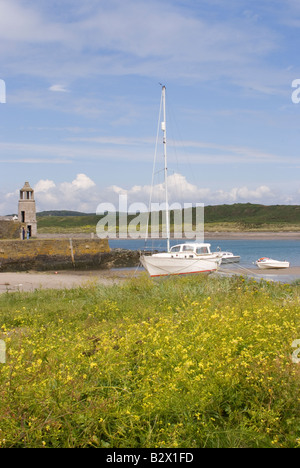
<point x="62" y="254"/>
<point x="10" y="229"/>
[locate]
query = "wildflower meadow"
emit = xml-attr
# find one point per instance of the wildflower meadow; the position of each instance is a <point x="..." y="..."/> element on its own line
<point x="188" y="362"/>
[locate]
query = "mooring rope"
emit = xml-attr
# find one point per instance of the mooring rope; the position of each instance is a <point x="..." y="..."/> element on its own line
<point x="241" y="268"/>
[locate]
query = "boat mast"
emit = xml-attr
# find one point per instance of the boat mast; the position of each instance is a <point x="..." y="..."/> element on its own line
<point x="163" y="127"/>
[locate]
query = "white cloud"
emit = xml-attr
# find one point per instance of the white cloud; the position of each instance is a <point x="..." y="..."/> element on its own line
<point x="131" y="149"/>
<point x="122" y="38"/>
<point x="82" y="194"/>
<point x="44" y="186"/>
<point x="82" y="182"/>
<point x="261" y="194"/>
<point x="180" y="190"/>
<point x="20" y="23"/>
<point x="58" y="88"/>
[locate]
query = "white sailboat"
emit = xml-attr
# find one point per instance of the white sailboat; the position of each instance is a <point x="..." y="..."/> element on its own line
<point x="186" y="258"/>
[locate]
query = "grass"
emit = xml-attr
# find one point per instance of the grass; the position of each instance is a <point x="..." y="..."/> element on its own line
<point x="209" y="227"/>
<point x="182" y="362"/>
<point x="238" y="217"/>
<point x="251" y="227"/>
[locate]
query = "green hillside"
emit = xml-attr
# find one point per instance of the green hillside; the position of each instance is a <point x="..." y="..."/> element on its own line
<point x="236" y="217"/>
<point x="249" y="213"/>
<point x="67" y="221"/>
<point x="61" y="213"/>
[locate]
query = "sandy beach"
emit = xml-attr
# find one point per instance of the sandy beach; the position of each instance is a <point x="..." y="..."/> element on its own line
<point x="255" y="235"/>
<point x="270" y="272"/>
<point x="30" y="281"/>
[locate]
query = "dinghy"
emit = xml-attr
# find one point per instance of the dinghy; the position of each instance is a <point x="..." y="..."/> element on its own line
<point x="265" y="263"/>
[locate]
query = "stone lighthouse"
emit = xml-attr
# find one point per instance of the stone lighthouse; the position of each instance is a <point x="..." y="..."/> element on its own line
<point x="27" y="212"/>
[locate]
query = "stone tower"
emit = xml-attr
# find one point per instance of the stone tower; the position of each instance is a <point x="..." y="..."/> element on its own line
<point x="27" y="212"/>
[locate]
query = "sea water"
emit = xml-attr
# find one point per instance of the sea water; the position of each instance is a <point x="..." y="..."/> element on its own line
<point x="249" y="250"/>
<point x="252" y="250"/>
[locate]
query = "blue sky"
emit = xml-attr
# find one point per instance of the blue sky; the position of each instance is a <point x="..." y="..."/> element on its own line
<point x="82" y="100"/>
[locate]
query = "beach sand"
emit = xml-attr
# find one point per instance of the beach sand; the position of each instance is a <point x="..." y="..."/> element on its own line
<point x="253" y="235"/>
<point x="285" y="275"/>
<point x="291" y="271"/>
<point x="32" y="280"/>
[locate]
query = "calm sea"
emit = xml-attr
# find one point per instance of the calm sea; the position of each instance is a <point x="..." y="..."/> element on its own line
<point x="249" y="250"/>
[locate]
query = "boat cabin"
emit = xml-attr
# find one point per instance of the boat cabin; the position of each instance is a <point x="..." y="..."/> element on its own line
<point x="196" y="248"/>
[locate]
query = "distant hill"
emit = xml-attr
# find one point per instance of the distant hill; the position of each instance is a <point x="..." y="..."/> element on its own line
<point x="250" y="213"/>
<point x="235" y="213"/>
<point x="42" y="214"/>
<point x="238" y="216"/>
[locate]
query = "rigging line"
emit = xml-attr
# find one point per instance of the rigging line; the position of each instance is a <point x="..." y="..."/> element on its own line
<point x="138" y="266"/>
<point x="173" y="124"/>
<point x="187" y="167"/>
<point x="181" y="160"/>
<point x="246" y="269"/>
<point x="159" y="171"/>
<point x="252" y="273"/>
<point x="153" y="171"/>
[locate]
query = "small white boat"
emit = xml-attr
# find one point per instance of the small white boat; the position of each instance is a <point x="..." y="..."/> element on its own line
<point x="229" y="257"/>
<point x="265" y="263"/>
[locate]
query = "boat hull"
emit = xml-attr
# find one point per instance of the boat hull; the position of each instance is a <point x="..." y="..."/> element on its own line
<point x="164" y="266"/>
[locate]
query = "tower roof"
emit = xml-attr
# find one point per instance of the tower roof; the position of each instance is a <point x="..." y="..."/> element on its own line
<point x="26" y="188"/>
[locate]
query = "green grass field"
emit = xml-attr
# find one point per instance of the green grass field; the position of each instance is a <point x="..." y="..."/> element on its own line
<point x="237" y="217"/>
<point x="180" y="362"/>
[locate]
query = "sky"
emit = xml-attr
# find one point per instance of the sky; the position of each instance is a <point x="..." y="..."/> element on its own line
<point x="80" y="95"/>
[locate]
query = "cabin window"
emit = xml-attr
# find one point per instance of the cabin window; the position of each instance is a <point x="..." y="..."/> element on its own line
<point x="202" y="250"/>
<point x="176" y="248"/>
<point x="187" y="247"/>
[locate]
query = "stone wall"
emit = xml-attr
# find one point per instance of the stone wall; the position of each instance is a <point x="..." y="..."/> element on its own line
<point x="35" y="254"/>
<point x="62" y="254"/>
<point x="10" y="229"/>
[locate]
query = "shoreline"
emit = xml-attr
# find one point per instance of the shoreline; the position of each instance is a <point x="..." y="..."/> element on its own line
<point x="230" y="235"/>
<point x="65" y="279"/>
<point x="31" y="280"/>
<point x="269" y="272"/>
<point x="249" y="235"/>
<point x="68" y="279"/>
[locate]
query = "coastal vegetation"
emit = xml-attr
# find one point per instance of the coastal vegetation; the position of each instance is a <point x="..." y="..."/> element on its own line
<point x="236" y="217"/>
<point x="180" y="362"/>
